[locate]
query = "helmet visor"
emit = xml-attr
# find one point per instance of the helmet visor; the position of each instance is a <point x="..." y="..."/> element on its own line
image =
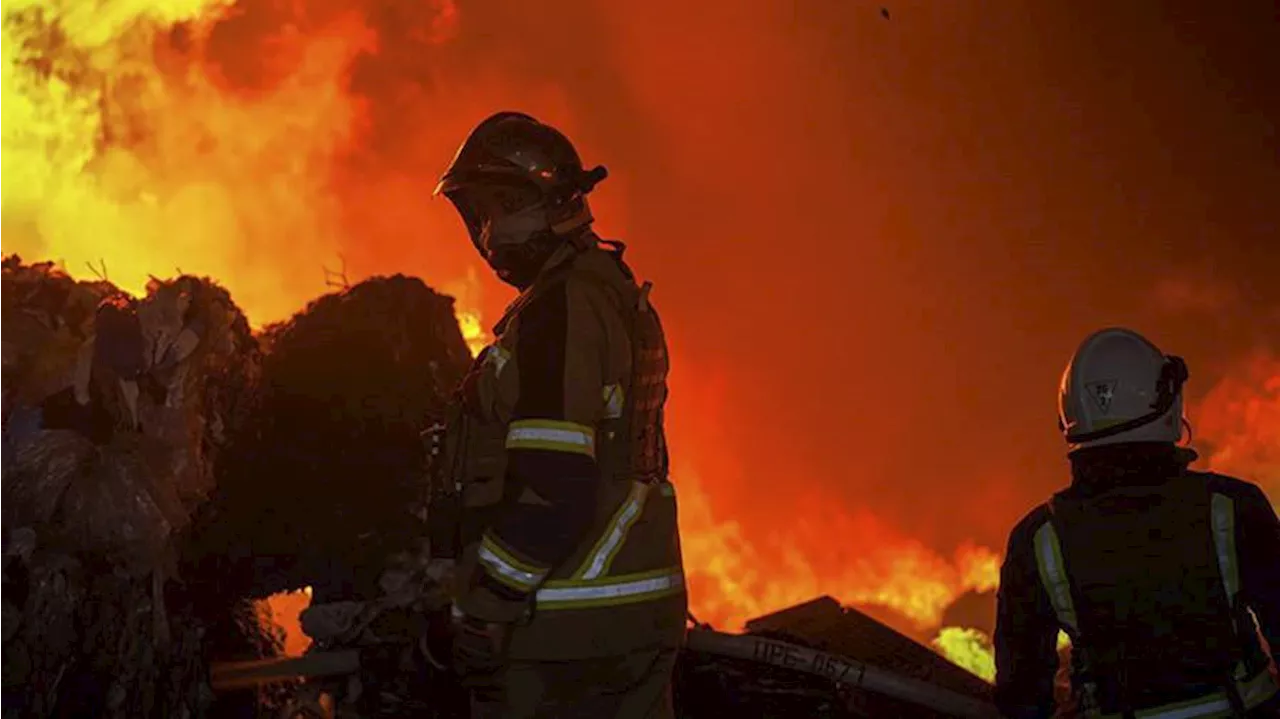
<point x="499" y="212"/>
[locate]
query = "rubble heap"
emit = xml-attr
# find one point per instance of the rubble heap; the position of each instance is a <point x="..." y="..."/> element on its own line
<point x="116" y="413"/>
<point x="326" y="483"/>
<point x="114" y="417"/>
<point x="160" y="472"/>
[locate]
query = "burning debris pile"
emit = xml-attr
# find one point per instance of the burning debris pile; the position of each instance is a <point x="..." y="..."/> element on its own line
<point x="322" y="487"/>
<point x="161" y="471"/>
<point x="116" y="415"/>
<point x="325" y="483"/>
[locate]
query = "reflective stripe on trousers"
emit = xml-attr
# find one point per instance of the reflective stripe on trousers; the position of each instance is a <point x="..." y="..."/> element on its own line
<point x="1253" y="692"/>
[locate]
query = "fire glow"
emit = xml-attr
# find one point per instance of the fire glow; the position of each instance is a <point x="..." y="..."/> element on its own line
<point x="131" y="120"/>
<point x="151" y="136"/>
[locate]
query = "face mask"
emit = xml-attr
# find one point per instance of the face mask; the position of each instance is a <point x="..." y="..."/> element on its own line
<point x="510" y="229"/>
<point x="519" y="265"/>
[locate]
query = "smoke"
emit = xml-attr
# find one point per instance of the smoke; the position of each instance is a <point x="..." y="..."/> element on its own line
<point x="1240" y="421"/>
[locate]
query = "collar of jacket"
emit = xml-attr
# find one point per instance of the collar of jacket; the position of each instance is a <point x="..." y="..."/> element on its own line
<point x="559" y="260"/>
<point x="1098" y="470"/>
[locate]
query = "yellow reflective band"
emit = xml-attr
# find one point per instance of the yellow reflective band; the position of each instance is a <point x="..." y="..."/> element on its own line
<point x="497" y="357"/>
<point x="615" y="533"/>
<point x="1215" y="705"/>
<point x="613" y="401"/>
<point x="1053" y="575"/>
<point x="1222" y="515"/>
<point x="1261" y="688"/>
<point x="507" y="569"/>
<point x="552" y="435"/>
<point x="1253" y="692"/>
<point x="610" y="591"/>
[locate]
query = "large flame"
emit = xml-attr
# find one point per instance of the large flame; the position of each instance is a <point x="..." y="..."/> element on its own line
<point x="284" y="610"/>
<point x="856" y="559"/>
<point x="969" y="648"/>
<point x="225" y="138"/>
<point x="127" y="149"/>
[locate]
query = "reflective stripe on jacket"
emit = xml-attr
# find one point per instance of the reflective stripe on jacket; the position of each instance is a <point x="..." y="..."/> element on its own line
<point x="568" y="520"/>
<point x="1250" y="678"/>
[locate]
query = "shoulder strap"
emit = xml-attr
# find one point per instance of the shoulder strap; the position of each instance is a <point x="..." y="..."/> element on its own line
<point x="1223" y="520"/>
<point x="1053" y="575"/>
<point x="1049" y="559"/>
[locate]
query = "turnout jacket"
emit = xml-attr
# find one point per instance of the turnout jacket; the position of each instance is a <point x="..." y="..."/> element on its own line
<point x="565" y="518"/>
<point x="1157" y="579"/>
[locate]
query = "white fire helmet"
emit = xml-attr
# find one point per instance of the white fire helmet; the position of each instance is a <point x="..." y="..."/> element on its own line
<point x="1119" y="388"/>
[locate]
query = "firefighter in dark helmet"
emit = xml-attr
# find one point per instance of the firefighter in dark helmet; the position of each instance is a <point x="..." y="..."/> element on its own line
<point x="1155" y="572"/>
<point x="569" y="596"/>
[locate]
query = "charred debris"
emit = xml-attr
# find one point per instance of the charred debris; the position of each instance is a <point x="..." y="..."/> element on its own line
<point x="164" y="467"/>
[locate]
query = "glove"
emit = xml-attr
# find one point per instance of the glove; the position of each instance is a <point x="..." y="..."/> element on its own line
<point x="436" y="639"/>
<point x="479" y="649"/>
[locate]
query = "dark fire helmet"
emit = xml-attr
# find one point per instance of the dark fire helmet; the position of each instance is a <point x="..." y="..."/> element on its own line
<point x="520" y="187"/>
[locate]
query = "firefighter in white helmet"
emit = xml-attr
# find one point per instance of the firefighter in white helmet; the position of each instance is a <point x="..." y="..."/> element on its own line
<point x="1155" y="572"/>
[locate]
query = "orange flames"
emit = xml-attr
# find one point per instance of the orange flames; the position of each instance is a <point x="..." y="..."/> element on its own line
<point x="226" y="139"/>
<point x="1239" y="421"/>
<point x="466" y="292"/>
<point x="818" y="551"/>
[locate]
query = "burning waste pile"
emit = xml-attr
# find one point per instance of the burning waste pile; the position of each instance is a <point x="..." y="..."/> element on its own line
<point x="326" y="481"/>
<point x="326" y="489"/>
<point x="160" y="472"/>
<point x="117" y="412"/>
